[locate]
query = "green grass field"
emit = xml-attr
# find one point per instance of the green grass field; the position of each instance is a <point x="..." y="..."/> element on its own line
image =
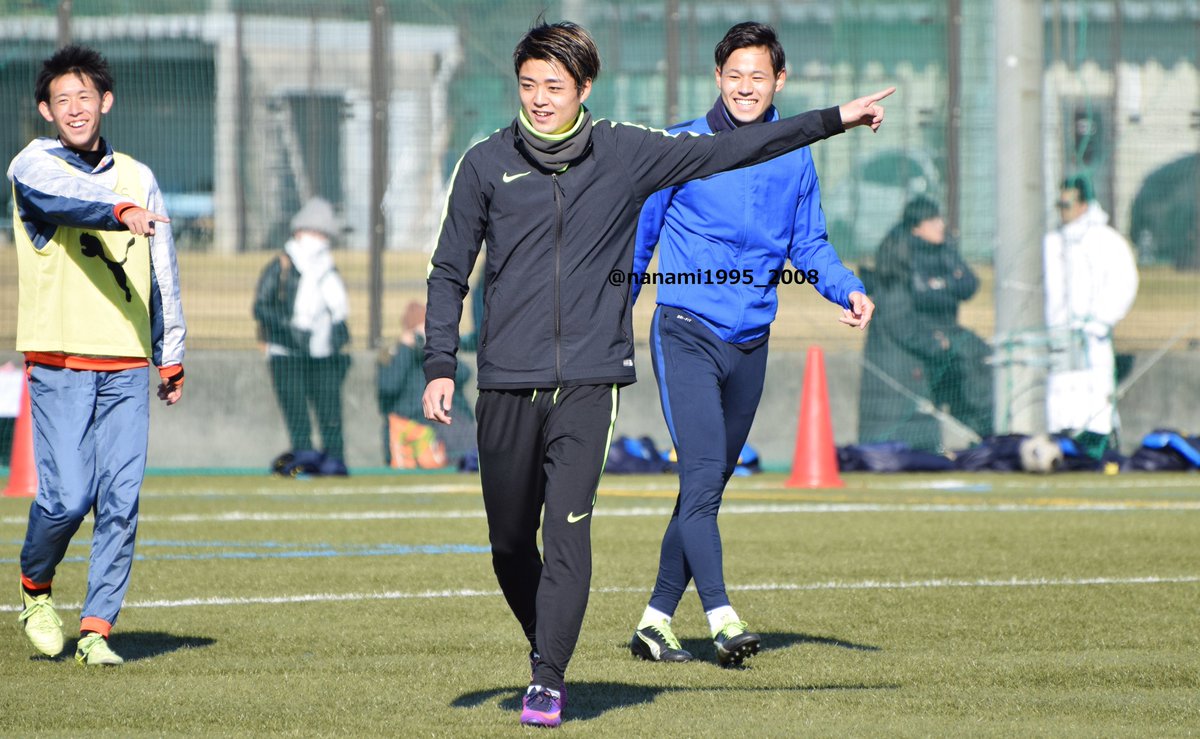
<point x="901" y="605"/>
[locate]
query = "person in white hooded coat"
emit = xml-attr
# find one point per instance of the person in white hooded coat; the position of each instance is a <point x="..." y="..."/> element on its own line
<point x="1091" y="282"/>
<point x="301" y="308"/>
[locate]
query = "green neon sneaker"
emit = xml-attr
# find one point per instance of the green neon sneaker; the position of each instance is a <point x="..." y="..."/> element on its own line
<point x="734" y="644"/>
<point x="41" y="624"/>
<point x="656" y="642"/>
<point x="93" y="649"/>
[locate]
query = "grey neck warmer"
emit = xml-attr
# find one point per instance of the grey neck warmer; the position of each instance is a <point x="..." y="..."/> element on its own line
<point x="554" y="152"/>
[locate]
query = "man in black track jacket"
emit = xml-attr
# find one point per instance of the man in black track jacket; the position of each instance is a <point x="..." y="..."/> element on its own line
<point x="556" y="197"/>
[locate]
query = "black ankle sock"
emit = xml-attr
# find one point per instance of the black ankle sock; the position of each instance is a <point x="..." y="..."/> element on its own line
<point x="35" y="592"/>
<point x="87" y="632"/>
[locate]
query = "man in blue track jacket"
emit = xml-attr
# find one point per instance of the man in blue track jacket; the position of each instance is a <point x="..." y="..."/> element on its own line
<point x="709" y="340"/>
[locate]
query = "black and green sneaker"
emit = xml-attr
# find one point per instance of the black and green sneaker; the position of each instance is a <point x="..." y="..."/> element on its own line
<point x="657" y="643"/>
<point x="734" y="644"/>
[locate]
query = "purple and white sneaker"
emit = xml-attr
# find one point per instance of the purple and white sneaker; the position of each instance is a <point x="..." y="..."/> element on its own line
<point x="541" y="707"/>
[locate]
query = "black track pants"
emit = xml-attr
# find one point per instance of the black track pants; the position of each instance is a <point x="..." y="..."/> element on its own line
<point x="544" y="448"/>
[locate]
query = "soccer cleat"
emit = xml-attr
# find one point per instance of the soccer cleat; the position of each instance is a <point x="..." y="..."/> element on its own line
<point x="657" y="643"/>
<point x="734" y="643"/>
<point x="93" y="649"/>
<point x="542" y="707"/>
<point x="42" y="625"/>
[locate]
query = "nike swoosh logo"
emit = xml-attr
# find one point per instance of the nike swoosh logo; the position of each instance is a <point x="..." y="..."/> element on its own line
<point x="510" y="177"/>
<point x="572" y="518"/>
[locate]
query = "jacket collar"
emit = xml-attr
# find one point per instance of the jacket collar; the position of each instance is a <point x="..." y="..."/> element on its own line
<point x="72" y="157"/>
<point x="718" y="117"/>
<point x="1092" y="217"/>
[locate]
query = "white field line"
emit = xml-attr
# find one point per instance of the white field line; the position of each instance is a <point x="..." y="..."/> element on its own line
<point x="1134" y="481"/>
<point x="309" y="488"/>
<point x="671" y="483"/>
<point x="1014" y="582"/>
<point x="732" y="509"/>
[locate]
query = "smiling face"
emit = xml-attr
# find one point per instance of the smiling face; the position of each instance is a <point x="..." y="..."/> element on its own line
<point x="748" y="83"/>
<point x="75" y="108"/>
<point x="550" y="97"/>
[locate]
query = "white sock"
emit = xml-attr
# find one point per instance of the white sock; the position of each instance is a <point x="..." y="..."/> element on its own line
<point x="652" y="616"/>
<point x="720" y="616"/>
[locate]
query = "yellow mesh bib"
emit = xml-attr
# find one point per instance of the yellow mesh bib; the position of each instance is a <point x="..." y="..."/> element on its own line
<point x="86" y="292"/>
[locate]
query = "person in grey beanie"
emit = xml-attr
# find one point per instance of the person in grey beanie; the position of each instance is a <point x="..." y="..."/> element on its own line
<point x="301" y="309"/>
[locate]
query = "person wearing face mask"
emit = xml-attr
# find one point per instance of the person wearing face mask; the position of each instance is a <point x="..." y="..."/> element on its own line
<point x="919" y="280"/>
<point x="301" y="309"/>
<point x="709" y="342"/>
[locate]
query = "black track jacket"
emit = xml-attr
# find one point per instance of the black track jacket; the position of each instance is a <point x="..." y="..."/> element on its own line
<point x="552" y="318"/>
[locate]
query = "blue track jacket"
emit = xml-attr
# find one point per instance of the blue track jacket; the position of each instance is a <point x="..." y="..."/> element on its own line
<point x="745" y="219"/>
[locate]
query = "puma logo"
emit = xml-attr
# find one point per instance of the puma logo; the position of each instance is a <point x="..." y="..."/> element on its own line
<point x="93" y="247"/>
<point x="572" y="518"/>
<point x="510" y="177"/>
<point x="654" y="648"/>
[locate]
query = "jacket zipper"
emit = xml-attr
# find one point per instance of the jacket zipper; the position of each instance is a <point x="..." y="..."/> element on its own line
<point x="558" y="223"/>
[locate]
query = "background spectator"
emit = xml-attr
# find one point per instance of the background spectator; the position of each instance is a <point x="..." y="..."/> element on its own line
<point x="928" y="359"/>
<point x="301" y="309"/>
<point x="408" y="440"/>
<point x="1091" y="282"/>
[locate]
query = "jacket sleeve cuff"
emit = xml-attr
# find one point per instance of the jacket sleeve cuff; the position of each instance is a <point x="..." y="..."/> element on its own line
<point x="172" y="373"/>
<point x="831" y="119"/>
<point x="120" y="208"/>
<point x="435" y="370"/>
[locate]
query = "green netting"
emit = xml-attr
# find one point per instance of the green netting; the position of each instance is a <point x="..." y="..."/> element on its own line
<point x="245" y="108"/>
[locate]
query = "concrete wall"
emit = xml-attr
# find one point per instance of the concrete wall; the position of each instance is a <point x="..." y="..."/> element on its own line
<point x="228" y="417"/>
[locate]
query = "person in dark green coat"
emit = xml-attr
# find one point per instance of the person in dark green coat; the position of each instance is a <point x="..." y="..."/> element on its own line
<point x="918" y="358"/>
<point x="409" y="441"/>
<point x="301" y="308"/>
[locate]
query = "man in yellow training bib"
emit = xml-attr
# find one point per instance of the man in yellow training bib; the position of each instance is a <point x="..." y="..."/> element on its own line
<point x="99" y="301"/>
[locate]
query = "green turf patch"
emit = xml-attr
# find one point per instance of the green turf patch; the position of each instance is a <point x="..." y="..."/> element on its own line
<point x="911" y="605"/>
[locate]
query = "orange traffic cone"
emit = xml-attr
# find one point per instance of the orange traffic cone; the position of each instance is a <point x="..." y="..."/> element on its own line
<point x="814" y="464"/>
<point x="22" y="472"/>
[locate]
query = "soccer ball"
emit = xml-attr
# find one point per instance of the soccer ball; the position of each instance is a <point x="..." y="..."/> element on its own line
<point x="1041" y="454"/>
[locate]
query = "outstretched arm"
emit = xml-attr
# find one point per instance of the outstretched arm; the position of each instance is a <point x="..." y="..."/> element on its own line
<point x="656" y="159"/>
<point x="865" y="111"/>
<point x="47" y="192"/>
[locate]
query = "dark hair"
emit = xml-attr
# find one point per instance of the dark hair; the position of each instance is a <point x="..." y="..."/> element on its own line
<point x="747" y="35"/>
<point x="1082" y="184"/>
<point x="73" y="59"/>
<point x="565" y="43"/>
<point x="919" y="210"/>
